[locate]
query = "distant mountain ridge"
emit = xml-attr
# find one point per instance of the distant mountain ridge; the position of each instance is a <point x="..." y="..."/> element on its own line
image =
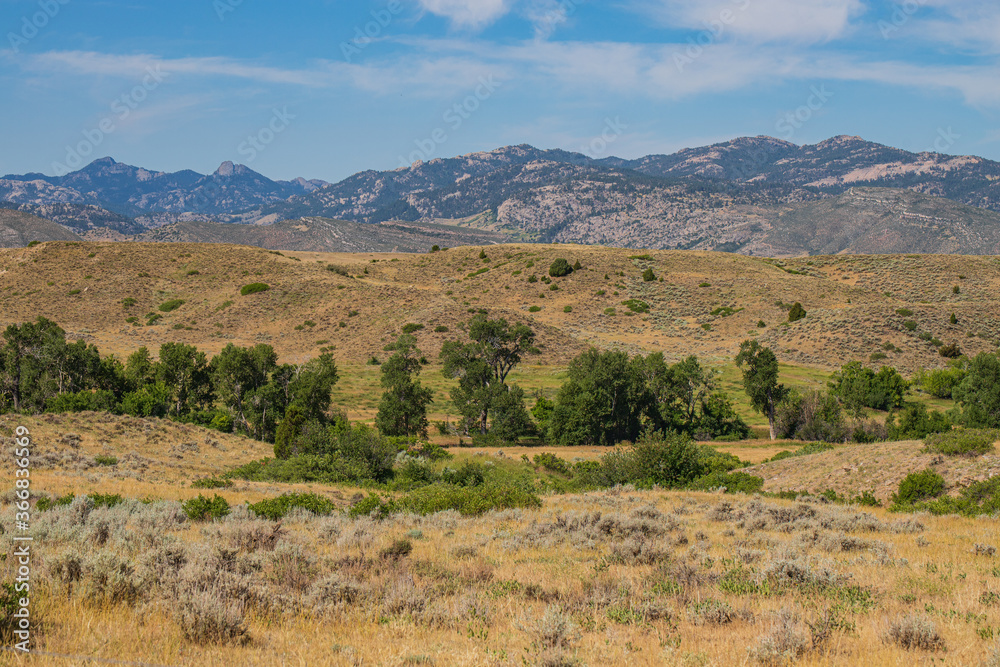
<point x="745" y="195"/>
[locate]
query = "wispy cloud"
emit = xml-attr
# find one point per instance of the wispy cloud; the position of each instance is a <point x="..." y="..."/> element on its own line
<point x="467" y="13"/>
<point x="793" y="21"/>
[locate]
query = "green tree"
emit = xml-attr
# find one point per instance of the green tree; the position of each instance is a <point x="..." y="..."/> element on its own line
<point x="560" y="268"/>
<point x="184" y="371"/>
<point x="603" y="402"/>
<point x="238" y="376"/>
<point x="482" y="366"/>
<point x="796" y="313"/>
<point x="403" y="408"/>
<point x="760" y="379"/>
<point x="979" y="392"/>
<point x="34" y="365"/>
<point x="858" y="388"/>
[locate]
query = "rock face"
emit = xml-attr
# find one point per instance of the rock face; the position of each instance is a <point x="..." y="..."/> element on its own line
<point x="756" y="195"/>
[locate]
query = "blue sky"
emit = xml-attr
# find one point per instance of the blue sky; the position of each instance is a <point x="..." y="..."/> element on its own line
<point x="323" y="89"/>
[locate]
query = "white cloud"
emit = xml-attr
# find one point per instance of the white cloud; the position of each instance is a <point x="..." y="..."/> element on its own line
<point x="467" y="13"/>
<point x="796" y="21"/>
<point x="967" y="24"/>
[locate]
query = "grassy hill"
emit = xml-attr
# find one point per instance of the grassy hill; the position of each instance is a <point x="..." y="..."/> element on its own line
<point x="699" y="303"/>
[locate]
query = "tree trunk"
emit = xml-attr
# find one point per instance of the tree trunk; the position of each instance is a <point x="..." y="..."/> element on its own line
<point x="770" y="418"/>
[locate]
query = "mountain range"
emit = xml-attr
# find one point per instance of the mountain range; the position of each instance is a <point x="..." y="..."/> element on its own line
<point x="754" y="195"/>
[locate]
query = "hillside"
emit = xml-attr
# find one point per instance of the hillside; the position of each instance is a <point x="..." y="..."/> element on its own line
<point x="705" y="305"/>
<point x="323" y="235"/>
<point x="18" y="229"/>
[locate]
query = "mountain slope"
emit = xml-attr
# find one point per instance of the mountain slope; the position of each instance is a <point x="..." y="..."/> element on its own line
<point x="322" y="235"/>
<point x="18" y="229"/>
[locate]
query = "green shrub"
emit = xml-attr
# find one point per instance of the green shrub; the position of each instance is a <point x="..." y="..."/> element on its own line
<point x="952" y="351"/>
<point x="636" y="306"/>
<point x="373" y="506"/>
<point x="532" y="278"/>
<point x="339" y="270"/>
<point x="412" y="327"/>
<point x="45" y="503"/>
<point x="202" y="508"/>
<point x="918" y="486"/>
<point x="128" y="302"/>
<point x="904" y="312"/>
<point x="648" y="275"/>
<point x="440" y="329"/>
<point x="560" y="268"/>
<point x="105" y="499"/>
<point x="105" y="460"/>
<point x="910" y="325"/>
<point x="734" y="482"/>
<point x="669" y="460"/>
<point x="567" y="309"/>
<point x="398" y="549"/>
<point x="277" y="508"/>
<point x="254" y="288"/>
<point x="534" y="309"/>
<point x="553" y="463"/>
<point x="962" y="442"/>
<point x="796" y="313"/>
<point x="172" y="305"/>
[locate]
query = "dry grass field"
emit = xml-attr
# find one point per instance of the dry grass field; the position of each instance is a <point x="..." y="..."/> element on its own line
<point x="615" y="577"/>
<point x="699" y="303"/>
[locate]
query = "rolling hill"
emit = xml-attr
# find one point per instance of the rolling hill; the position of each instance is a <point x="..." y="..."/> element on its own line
<point x="891" y="309"/>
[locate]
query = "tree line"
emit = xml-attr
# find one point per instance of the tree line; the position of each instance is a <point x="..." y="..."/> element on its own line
<point x="609" y="397"/>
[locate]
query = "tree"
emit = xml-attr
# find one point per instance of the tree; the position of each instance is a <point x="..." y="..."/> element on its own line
<point x="560" y="268"/>
<point x="238" y="375"/>
<point x="403" y="408"/>
<point x="482" y="365"/>
<point x="604" y="401"/>
<point x="34" y="364"/>
<point x="796" y="313"/>
<point x="979" y="392"/>
<point x="760" y="378"/>
<point x="858" y="388"/>
<point x="648" y="275"/>
<point x="184" y="371"/>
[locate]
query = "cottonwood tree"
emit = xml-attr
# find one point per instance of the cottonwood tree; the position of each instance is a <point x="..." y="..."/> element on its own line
<point x="760" y="379"/>
<point x="403" y="408"/>
<point x="481" y="367"/>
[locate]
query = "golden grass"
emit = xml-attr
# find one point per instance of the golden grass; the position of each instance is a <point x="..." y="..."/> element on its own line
<point x="942" y="580"/>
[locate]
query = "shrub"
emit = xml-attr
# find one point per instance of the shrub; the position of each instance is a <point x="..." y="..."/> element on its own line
<point x="648" y="275"/>
<point x="963" y="442"/>
<point x="339" y="270"/>
<point x="106" y="499"/>
<point x="398" y="549"/>
<point x="412" y="327"/>
<point x="169" y="306"/>
<point x="534" y="309"/>
<point x="913" y="631"/>
<point x="467" y="500"/>
<point x="918" y="486"/>
<point x="567" y="309"/>
<point x="202" y="508"/>
<point x="952" y="351"/>
<point x="276" y="508"/>
<point x="796" y="313"/>
<point x="636" y="306"/>
<point x="532" y="278"/>
<point x="733" y="482"/>
<point x="910" y="325"/>
<point x="560" y="268"/>
<point x="761" y="324"/>
<point x="440" y="329"/>
<point x="45" y="503"/>
<point x="254" y="288"/>
<point x="553" y="463"/>
<point x="956" y="290"/>
<point x="105" y="460"/>
<point x="904" y="312"/>
<point x="666" y="459"/>
<point x="953" y="319"/>
<point x="373" y="506"/>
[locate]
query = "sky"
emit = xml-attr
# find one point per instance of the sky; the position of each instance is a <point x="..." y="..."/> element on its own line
<point x="327" y="88"/>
